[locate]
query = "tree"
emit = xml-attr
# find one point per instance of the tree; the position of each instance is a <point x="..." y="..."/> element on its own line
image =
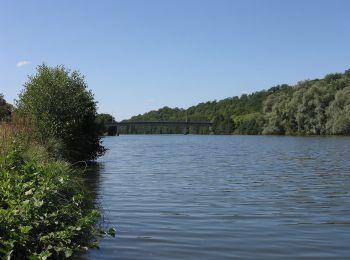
<point x="101" y="120"/>
<point x="304" y="109"/>
<point x="62" y="109"/>
<point x="250" y="124"/>
<point x="5" y="108"/>
<point x="339" y="113"/>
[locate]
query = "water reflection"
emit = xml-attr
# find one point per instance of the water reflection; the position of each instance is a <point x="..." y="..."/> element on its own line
<point x="92" y="178"/>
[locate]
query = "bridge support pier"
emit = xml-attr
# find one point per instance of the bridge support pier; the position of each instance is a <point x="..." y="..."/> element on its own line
<point x="186" y="130"/>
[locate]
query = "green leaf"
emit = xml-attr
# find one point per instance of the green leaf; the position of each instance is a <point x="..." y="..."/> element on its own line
<point x="38" y="203"/>
<point x="68" y="252"/>
<point x="44" y="255"/>
<point x="112" y="232"/>
<point x="25" y="229"/>
<point x="29" y="192"/>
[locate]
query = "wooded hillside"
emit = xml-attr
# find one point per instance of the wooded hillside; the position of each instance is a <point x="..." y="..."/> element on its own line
<point x="311" y="107"/>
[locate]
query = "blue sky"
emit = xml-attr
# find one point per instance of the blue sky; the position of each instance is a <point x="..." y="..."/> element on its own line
<point x="139" y="55"/>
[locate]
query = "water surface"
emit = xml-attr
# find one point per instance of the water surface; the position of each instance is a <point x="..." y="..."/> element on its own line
<point x="225" y="197"/>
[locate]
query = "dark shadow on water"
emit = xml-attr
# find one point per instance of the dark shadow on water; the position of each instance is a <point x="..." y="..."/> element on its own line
<point x="92" y="182"/>
<point x="92" y="178"/>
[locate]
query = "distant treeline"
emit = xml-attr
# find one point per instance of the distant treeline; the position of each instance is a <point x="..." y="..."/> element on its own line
<point x="311" y="107"/>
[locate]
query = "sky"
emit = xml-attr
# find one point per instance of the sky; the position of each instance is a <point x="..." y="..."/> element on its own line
<point x="141" y="55"/>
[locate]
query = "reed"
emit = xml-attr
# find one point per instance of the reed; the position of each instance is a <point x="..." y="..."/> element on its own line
<point x="18" y="127"/>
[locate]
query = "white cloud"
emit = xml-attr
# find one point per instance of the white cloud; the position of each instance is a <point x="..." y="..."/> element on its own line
<point x="22" y="63"/>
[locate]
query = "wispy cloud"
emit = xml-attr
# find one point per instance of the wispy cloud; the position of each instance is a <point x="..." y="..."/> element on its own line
<point x="22" y="63"/>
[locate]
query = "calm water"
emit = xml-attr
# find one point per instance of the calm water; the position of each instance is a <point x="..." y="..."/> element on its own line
<point x="225" y="197"/>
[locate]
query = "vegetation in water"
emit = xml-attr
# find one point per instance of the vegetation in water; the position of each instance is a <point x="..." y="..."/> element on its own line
<point x="311" y="107"/>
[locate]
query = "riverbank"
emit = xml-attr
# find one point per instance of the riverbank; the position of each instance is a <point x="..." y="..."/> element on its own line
<point x="45" y="210"/>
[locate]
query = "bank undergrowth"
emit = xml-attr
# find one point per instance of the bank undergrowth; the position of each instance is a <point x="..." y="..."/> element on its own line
<point x="44" y="209"/>
<point x="46" y="212"/>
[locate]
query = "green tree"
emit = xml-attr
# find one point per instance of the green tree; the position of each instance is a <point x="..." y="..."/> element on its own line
<point x="64" y="110"/>
<point x="5" y="108"/>
<point x="339" y="113"/>
<point x="304" y="109"/>
<point x="276" y="113"/>
<point x="101" y="120"/>
<point x="250" y="124"/>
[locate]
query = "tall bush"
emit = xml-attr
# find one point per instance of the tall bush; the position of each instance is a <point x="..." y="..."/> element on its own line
<point x="63" y="112"/>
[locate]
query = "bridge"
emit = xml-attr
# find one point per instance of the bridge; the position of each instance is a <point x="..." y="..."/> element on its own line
<point x="185" y="124"/>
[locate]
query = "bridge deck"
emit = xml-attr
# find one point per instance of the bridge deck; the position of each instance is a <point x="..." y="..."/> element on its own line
<point x="160" y="123"/>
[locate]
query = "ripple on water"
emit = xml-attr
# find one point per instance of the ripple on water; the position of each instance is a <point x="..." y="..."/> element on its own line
<point x="224" y="197"/>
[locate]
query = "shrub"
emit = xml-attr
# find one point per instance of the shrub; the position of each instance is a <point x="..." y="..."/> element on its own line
<point x="44" y="210"/>
<point x="61" y="108"/>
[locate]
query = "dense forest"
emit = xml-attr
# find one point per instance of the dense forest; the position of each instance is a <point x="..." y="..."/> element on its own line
<point x="311" y="107"/>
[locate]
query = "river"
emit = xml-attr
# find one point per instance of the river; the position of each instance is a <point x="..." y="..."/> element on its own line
<point x="224" y="197"/>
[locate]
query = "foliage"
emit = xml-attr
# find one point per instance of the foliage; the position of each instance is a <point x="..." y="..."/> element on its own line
<point x="44" y="209"/>
<point x="339" y="113"/>
<point x="5" y="109"/>
<point x="18" y="127"/>
<point x="218" y="112"/>
<point x="251" y="124"/>
<point x="311" y="107"/>
<point x="101" y="120"/>
<point x="62" y="109"/>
